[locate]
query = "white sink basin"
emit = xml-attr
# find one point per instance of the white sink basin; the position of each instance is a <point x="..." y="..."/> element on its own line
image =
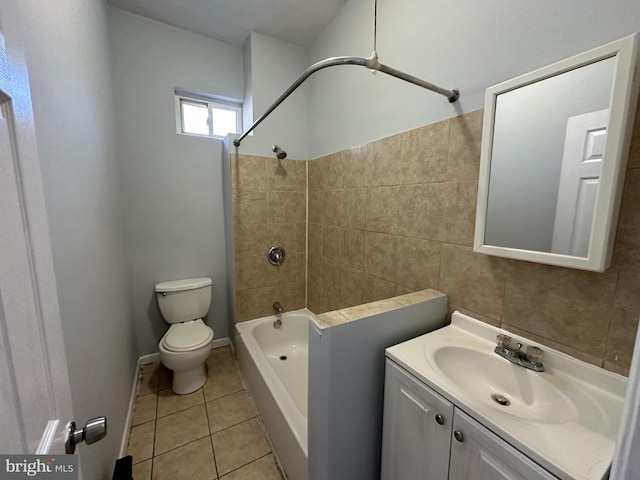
<point x="565" y="418"/>
<point x="491" y="379"/>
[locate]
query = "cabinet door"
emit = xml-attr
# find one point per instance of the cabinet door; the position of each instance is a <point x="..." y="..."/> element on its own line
<point x="414" y="444"/>
<point x="478" y="454"/>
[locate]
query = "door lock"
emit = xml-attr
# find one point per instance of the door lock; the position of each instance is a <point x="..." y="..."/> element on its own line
<point x="94" y="430"/>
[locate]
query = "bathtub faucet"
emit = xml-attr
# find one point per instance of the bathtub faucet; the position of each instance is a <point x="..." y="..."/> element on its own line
<point x="277" y="323"/>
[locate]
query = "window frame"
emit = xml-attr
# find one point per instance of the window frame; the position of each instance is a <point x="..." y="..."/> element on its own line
<point x="210" y="102"/>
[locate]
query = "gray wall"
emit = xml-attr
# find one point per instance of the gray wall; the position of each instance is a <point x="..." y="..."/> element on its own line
<point x="467" y="44"/>
<point x="172" y="184"/>
<point x="68" y="60"/>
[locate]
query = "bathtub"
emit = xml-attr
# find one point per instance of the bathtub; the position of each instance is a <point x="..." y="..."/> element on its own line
<point x="274" y="364"/>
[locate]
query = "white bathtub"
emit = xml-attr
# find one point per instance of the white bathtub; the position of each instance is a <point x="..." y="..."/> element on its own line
<point x="274" y="363"/>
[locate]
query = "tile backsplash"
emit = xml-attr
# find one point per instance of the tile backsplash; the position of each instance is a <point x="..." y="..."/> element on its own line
<point x="397" y="215"/>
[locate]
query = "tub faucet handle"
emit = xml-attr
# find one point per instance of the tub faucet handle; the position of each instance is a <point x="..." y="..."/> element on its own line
<point x="277" y="307"/>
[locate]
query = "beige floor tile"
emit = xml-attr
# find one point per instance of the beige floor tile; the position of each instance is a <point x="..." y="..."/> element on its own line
<point x="220" y="359"/>
<point x="229" y="410"/>
<point x="222" y="382"/>
<point x="148" y="378"/>
<point x="141" y="442"/>
<point x="238" y="445"/>
<point x="169" y="402"/>
<point x="142" y="470"/>
<point x="145" y="409"/>
<point x="264" y="468"/>
<point x="193" y="461"/>
<point x="180" y="428"/>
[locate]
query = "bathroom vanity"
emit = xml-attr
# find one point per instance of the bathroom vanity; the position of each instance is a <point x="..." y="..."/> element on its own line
<point x="456" y="410"/>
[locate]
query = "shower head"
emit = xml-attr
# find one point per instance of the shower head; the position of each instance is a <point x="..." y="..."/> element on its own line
<point x="280" y="153"/>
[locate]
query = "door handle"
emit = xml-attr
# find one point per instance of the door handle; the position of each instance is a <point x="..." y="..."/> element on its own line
<point x="94" y="430"/>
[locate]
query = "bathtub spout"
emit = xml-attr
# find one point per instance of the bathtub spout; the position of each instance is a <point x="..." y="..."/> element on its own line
<point x="277" y="323"/>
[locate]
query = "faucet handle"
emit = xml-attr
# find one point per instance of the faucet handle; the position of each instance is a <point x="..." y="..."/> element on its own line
<point x="503" y="341"/>
<point x="535" y="354"/>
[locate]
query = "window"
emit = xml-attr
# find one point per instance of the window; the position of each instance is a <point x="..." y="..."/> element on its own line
<point x="207" y="116"/>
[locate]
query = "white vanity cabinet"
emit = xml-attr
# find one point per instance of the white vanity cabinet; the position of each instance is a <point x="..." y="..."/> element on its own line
<point x="426" y="437"/>
<point x="416" y="429"/>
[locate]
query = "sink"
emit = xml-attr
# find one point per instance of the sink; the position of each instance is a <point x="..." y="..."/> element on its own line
<point x="566" y="418"/>
<point x="504" y="386"/>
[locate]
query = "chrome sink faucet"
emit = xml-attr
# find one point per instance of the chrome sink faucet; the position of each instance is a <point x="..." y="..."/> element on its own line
<point x="277" y="323"/>
<point x="530" y="358"/>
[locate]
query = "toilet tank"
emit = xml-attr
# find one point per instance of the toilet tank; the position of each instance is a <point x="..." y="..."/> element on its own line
<point x="184" y="300"/>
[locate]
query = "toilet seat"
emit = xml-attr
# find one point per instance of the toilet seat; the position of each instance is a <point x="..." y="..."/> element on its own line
<point x="188" y="336"/>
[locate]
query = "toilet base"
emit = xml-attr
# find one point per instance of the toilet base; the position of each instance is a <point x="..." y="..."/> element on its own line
<point x="190" y="380"/>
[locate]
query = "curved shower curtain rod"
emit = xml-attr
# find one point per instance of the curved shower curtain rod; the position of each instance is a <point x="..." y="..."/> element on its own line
<point x="371" y="63"/>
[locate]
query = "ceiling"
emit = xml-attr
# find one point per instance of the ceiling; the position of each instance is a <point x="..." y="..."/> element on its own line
<point x="295" y="21"/>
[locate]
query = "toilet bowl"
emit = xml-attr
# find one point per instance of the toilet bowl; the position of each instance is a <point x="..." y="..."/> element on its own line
<point x="185" y="347"/>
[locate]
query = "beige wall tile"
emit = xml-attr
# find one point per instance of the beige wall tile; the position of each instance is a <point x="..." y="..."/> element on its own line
<point x="285" y="174"/>
<point x="459" y="212"/>
<point x="634" y="154"/>
<point x="585" y="357"/>
<point x="330" y="276"/>
<point x="256" y="239"/>
<point x="380" y="255"/>
<point x="331" y="319"/>
<point x="332" y="207"/>
<point x="286" y="207"/>
<point x="425" y="152"/>
<point x="624" y="324"/>
<point x="473" y="280"/>
<point x="316" y="206"/>
<point x="421" y="210"/>
<point x="418" y="297"/>
<point x="384" y="161"/>
<point x="193" y="461"/>
<point x="247" y="172"/>
<point x="417" y="263"/>
<point x="382" y="209"/>
<point x="353" y="248"/>
<point x="354" y="167"/>
<point x="570" y="307"/>
<point x="249" y="206"/>
<point x="352" y="208"/>
<point x="402" y="290"/>
<point x="258" y="302"/>
<point x="627" y="249"/>
<point x="315" y="298"/>
<point x="326" y="173"/>
<point x="465" y="140"/>
<point x="350" y="282"/>
<point x="332" y="243"/>
<point x="368" y="309"/>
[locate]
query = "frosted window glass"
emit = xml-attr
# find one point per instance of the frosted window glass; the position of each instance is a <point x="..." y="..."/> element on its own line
<point x="195" y="118"/>
<point x="224" y="121"/>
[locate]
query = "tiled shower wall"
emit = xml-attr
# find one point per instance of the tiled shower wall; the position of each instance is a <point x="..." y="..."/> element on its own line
<point x="397" y="215"/>
<point x="269" y="208"/>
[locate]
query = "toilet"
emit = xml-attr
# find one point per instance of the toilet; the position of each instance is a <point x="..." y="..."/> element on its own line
<point x="187" y="344"/>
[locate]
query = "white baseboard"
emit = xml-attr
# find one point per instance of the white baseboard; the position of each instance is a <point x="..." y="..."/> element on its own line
<point x="144" y="359"/>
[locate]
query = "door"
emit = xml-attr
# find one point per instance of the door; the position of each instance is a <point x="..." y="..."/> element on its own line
<point x="35" y="398"/>
<point x="478" y="454"/>
<point x="416" y="432"/>
<point x="579" y="179"/>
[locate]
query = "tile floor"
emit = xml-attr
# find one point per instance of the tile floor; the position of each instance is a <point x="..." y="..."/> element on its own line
<point x="213" y="433"/>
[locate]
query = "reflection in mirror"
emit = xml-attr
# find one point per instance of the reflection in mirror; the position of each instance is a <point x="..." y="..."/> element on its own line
<point x="554" y="148"/>
<point x="533" y="150"/>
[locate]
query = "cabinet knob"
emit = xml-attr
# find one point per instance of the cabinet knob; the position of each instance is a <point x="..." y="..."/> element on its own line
<point x="458" y="435"/>
<point x="439" y="419"/>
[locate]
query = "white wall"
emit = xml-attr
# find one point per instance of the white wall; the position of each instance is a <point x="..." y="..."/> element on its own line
<point x="69" y="69"/>
<point x="172" y="184"/>
<point x="467" y="44"/>
<point x="274" y="65"/>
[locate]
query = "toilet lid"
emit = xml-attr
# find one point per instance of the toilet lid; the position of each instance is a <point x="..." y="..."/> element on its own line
<point x="187" y="336"/>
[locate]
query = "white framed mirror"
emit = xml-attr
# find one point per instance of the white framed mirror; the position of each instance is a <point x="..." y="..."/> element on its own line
<point x="554" y="150"/>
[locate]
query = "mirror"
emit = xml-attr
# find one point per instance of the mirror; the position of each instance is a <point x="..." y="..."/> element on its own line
<point x="554" y="148"/>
